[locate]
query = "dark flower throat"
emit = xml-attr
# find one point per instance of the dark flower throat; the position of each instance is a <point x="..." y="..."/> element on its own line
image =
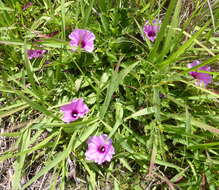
<point x="101" y="149"/>
<point x="74" y="114"/>
<point x="81" y="43"/>
<point x="151" y="34"/>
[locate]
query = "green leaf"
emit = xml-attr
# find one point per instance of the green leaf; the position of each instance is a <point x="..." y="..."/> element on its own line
<point x="53" y="163"/>
<point x="116" y="184"/>
<point x="125" y="164"/>
<point x="19" y="163"/>
<point x="171" y="34"/>
<point x="36" y="105"/>
<point x="14" y="110"/>
<point x="183" y="47"/>
<point x="167" y="164"/>
<point x="87" y="132"/>
<point x="153" y="53"/>
<point x="194" y="122"/>
<point x="92" y="176"/>
<point x="88" y="12"/>
<point x="141" y="112"/>
<point x="204" y="146"/>
<point x="119" y="119"/>
<point x="117" y="78"/>
<point x="38" y="146"/>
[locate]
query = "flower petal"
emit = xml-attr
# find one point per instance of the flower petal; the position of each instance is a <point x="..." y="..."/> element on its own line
<point x="202" y="78"/>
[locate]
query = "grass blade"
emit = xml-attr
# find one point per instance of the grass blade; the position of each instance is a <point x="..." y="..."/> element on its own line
<point x="145" y="111"/>
<point x="58" y="158"/>
<point x="195" y="122"/>
<point x="19" y="163"/>
<point x="117" y="78"/>
<point x="184" y="47"/>
<point x="161" y="33"/>
<point x="38" y="146"/>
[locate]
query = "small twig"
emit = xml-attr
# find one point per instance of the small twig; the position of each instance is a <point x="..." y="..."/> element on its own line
<point x="118" y="64"/>
<point x="166" y="180"/>
<point x="212" y="16"/>
<point x="43" y="180"/>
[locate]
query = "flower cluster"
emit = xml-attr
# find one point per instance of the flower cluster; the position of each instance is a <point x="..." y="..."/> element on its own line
<point x="100" y="148"/>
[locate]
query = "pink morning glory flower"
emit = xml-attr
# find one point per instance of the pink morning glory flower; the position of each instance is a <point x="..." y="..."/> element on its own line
<point x="83" y="39"/>
<point x="202" y="78"/>
<point x="100" y="149"/>
<point x="75" y="110"/>
<point x="35" y="53"/>
<point x="26" y="6"/>
<point x="152" y="30"/>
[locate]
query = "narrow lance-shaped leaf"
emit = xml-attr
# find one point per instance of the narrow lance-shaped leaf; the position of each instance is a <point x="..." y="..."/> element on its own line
<point x="116" y="79"/>
<point x="161" y="33"/>
<point x="184" y="47"/>
<point x="53" y="163"/>
<point x="37" y="147"/>
<point x="19" y="163"/>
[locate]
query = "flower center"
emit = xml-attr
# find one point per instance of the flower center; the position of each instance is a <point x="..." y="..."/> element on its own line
<point x="81" y="43"/>
<point x="74" y="114"/>
<point x="194" y="74"/>
<point x="101" y="149"/>
<point x="151" y="34"/>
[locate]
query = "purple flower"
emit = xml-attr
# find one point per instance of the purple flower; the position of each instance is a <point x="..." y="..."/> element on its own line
<point x="35" y="53"/>
<point x="75" y="110"/>
<point x="83" y="39"/>
<point x="152" y="30"/>
<point x="202" y="78"/>
<point x="100" y="149"/>
<point x="26" y="6"/>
